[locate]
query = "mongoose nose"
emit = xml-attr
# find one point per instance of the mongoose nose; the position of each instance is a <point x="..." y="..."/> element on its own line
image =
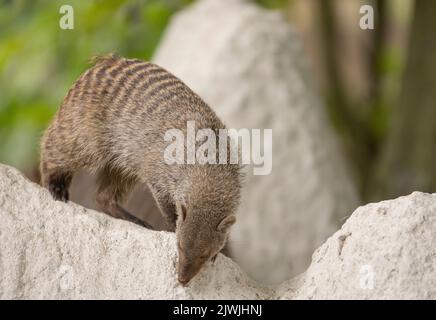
<point x="183" y="281"/>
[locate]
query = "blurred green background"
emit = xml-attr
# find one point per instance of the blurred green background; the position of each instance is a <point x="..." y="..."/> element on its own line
<point x="39" y="61"/>
<point x="372" y="81"/>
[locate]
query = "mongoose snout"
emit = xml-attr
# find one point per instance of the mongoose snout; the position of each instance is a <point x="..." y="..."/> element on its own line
<point x="113" y="122"/>
<point x="197" y="248"/>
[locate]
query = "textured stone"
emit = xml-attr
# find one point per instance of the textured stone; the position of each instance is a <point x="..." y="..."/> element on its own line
<point x="53" y="250"/>
<point x="248" y="64"/>
<point x="50" y="249"/>
<point x="385" y="250"/>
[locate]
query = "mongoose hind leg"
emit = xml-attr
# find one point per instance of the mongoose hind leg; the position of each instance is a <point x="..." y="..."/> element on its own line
<point x="112" y="189"/>
<point x="57" y="181"/>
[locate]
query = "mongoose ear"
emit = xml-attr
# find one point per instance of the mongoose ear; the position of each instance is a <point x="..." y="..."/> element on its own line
<point x="226" y="223"/>
<point x="183" y="212"/>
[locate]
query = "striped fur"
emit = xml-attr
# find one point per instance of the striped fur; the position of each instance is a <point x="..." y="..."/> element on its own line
<point x="112" y="122"/>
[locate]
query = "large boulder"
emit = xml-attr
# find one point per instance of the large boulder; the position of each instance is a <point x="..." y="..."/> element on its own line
<point x="50" y="249"/>
<point x="248" y="64"/>
<point x="54" y="250"/>
<point x="385" y="250"/>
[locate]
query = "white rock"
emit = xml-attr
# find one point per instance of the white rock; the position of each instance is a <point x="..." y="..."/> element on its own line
<point x="50" y="249"/>
<point x="248" y="64"/>
<point x="54" y="250"/>
<point x="385" y="250"/>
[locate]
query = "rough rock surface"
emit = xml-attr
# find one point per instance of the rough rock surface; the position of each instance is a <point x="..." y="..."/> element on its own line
<point x="385" y="250"/>
<point x="53" y="250"/>
<point x="140" y="201"/>
<point x="50" y="249"/>
<point x="248" y="64"/>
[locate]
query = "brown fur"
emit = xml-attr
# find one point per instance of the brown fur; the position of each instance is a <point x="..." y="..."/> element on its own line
<point x="112" y="122"/>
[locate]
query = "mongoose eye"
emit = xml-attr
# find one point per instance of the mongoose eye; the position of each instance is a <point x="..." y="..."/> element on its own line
<point x="183" y="213"/>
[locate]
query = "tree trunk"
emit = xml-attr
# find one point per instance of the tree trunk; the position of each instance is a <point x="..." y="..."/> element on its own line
<point x="409" y="159"/>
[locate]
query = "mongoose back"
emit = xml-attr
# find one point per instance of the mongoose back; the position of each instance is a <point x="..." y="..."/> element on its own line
<point x="112" y="122"/>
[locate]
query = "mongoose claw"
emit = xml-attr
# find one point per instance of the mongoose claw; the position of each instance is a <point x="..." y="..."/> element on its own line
<point x="139" y="222"/>
<point x="146" y="225"/>
<point x="58" y="192"/>
<point x="214" y="258"/>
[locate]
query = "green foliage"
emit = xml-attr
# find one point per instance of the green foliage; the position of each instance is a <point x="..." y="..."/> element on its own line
<point x="272" y="4"/>
<point x="391" y="67"/>
<point x="39" y="61"/>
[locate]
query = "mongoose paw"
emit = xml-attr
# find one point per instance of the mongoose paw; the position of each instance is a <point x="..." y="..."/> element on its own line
<point x="58" y="192"/>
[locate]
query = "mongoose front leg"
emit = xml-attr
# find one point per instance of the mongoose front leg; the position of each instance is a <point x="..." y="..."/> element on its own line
<point x="168" y="209"/>
<point x="57" y="182"/>
<point x="111" y="190"/>
<point x="108" y="204"/>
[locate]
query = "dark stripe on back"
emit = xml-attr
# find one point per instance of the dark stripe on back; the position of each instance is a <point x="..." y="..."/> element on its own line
<point x="130" y="81"/>
<point x="124" y="63"/>
<point x="143" y="89"/>
<point x="161" y="92"/>
<point x="101" y="74"/>
<point x="154" y="91"/>
<point x="139" y="80"/>
<point x="111" y="79"/>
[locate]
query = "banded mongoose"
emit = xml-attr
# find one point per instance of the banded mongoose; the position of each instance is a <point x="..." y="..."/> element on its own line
<point x="112" y="122"/>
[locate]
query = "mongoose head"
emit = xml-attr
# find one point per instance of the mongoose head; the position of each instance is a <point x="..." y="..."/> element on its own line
<point x="203" y="226"/>
<point x="199" y="241"/>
